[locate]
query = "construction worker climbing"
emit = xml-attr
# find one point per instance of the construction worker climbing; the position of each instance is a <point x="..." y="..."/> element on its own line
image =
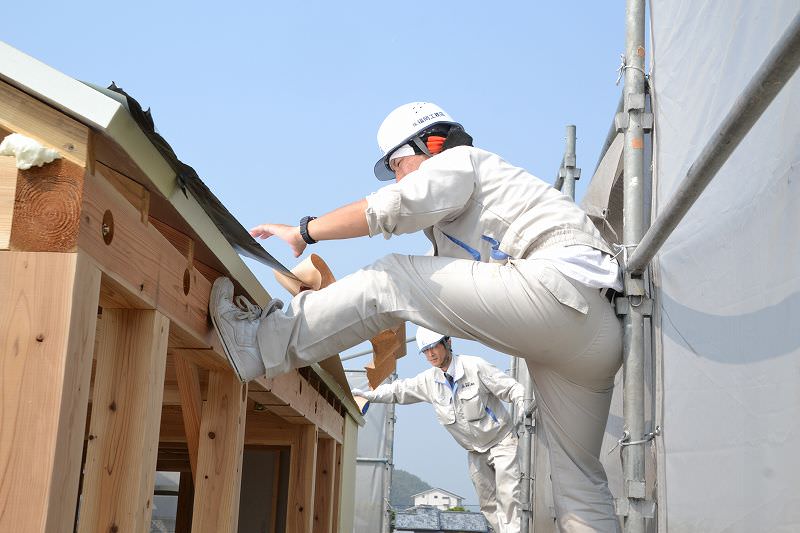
<point x="467" y="394"/>
<point x="517" y="266"/>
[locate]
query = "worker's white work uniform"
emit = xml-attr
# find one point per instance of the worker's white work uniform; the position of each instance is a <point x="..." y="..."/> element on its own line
<point x="472" y="411"/>
<point x="497" y="233"/>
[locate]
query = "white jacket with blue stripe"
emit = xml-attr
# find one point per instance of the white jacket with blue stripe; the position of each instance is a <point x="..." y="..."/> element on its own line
<point x="474" y="205"/>
<point x="473" y="411"/>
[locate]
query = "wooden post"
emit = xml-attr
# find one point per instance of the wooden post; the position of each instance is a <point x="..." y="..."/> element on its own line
<point x="300" y="508"/>
<point x="183" y="513"/>
<point x="48" y="315"/>
<point x="324" y="485"/>
<point x="337" y="489"/>
<point x="8" y="189"/>
<point x="219" y="459"/>
<point x="347" y="487"/>
<point x="126" y="416"/>
<point x="191" y="405"/>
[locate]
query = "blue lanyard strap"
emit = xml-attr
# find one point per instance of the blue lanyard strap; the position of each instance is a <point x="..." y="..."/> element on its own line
<point x="496" y="254"/>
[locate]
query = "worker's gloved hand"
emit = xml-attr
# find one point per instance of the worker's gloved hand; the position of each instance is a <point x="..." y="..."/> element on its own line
<point x="522" y="409"/>
<point x="368" y="394"/>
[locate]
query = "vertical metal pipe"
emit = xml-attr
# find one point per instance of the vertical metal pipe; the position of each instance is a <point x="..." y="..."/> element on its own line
<point x="777" y="69"/>
<point x="525" y="450"/>
<point x="633" y="229"/>
<point x="387" y="490"/>
<point x="568" y="168"/>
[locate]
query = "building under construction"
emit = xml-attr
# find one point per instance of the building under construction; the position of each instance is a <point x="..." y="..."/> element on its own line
<point x="111" y="373"/>
<point x="110" y="369"/>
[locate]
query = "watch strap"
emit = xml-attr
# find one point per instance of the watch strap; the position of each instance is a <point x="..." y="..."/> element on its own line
<point x="304" y="229"/>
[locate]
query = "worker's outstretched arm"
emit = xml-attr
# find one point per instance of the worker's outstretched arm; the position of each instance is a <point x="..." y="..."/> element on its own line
<point x="402" y="391"/>
<point x="345" y="222"/>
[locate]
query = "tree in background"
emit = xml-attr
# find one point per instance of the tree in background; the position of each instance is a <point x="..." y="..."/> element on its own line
<point x="404" y="486"/>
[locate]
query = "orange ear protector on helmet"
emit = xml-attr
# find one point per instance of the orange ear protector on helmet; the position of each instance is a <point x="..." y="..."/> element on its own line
<point x="435" y="144"/>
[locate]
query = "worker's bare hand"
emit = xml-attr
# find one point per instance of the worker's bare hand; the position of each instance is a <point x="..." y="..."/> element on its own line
<point x="289" y="234"/>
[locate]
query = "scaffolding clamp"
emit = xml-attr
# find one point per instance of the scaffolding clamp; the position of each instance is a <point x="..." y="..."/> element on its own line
<point x="634" y="295"/>
<point x="641" y="303"/>
<point x="576" y="172"/>
<point x="626" y="439"/>
<point x="645" y="508"/>
<point x="622" y="119"/>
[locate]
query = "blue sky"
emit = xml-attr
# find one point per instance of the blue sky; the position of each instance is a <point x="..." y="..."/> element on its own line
<point x="276" y="105"/>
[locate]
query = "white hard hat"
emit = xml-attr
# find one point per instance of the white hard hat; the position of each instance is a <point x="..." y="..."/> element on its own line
<point x="401" y="126"/>
<point x="427" y="339"/>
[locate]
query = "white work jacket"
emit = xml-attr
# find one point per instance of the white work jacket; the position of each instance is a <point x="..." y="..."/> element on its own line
<point x="472" y="411"/>
<point x="474" y="205"/>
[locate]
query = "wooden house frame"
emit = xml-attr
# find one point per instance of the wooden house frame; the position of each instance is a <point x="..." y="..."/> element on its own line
<point x="109" y="368"/>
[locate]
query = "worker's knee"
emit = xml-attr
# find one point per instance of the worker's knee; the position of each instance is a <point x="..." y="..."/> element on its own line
<point x="391" y="263"/>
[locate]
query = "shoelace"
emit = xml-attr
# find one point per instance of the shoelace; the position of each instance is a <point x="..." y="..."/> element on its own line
<point x="251" y="311"/>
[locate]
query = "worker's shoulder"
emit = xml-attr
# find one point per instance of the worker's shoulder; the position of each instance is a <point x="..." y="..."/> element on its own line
<point x="473" y="361"/>
<point x="466" y="151"/>
<point x="428" y="374"/>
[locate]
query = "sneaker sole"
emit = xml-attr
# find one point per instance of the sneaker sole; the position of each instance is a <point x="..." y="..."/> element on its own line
<point x="214" y="301"/>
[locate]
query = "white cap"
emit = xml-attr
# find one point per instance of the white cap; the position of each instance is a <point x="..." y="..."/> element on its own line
<point x="403" y="151"/>
<point x="401" y="125"/>
<point x="427" y="339"/>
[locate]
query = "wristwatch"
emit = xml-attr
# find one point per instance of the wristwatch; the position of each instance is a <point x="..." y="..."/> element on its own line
<point x="304" y="230"/>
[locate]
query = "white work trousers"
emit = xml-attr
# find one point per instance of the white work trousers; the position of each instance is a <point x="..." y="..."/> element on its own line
<point x="572" y="356"/>
<point x="495" y="474"/>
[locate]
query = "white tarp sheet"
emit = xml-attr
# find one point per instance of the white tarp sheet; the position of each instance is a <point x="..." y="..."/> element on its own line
<point x="728" y="279"/>
<point x="372" y="476"/>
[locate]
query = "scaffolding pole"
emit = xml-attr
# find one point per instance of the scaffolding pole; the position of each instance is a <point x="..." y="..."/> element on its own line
<point x="569" y="173"/>
<point x="391" y="420"/>
<point x="773" y="74"/>
<point x="520" y="373"/>
<point x="632" y="505"/>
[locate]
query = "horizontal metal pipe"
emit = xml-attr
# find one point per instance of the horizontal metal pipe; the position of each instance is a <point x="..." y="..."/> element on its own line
<point x="367" y="352"/>
<point x="771" y="77"/>
<point x="559" y="182"/>
<point x="611" y="135"/>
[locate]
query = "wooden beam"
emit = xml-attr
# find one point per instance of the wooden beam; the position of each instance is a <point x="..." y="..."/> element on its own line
<point x="47" y="205"/>
<point x="324" y="485"/>
<point x="126" y="415"/>
<point x="191" y="404"/>
<point x="302" y="473"/>
<point x="219" y="460"/>
<point x="8" y="188"/>
<point x="293" y="398"/>
<point x="208" y="272"/>
<point x="22" y="113"/>
<point x="266" y="429"/>
<point x="136" y="194"/>
<point x="47" y="327"/>
<point x="172" y="426"/>
<point x="145" y="268"/>
<point x="182" y="242"/>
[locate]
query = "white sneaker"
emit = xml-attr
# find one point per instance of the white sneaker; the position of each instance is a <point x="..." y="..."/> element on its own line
<point x="236" y="321"/>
